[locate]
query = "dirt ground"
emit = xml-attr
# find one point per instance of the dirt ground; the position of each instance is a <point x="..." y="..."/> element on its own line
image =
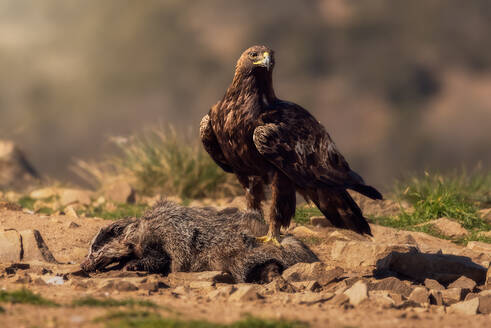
<point x="181" y="299"/>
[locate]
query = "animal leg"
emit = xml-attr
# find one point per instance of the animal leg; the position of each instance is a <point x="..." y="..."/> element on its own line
<point x="254" y="188"/>
<point x="282" y="208"/>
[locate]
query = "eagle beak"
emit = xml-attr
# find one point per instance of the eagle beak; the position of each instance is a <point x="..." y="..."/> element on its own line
<point x="265" y="61"/>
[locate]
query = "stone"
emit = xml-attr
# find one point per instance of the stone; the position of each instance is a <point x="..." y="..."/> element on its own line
<point x="70" y="212"/>
<point x="449" y="228"/>
<point x="71" y="196"/>
<point x="73" y="225"/>
<point x="245" y="293"/>
<point x="357" y="293"/>
<point x="280" y="285"/>
<point x="16" y="173"/>
<point x="10" y="246"/>
<point x="339" y="300"/>
<point x="420" y="295"/>
<point x="464" y="283"/>
<point x="354" y="254"/>
<point x="152" y="286"/>
<point x="310" y="298"/>
<point x="304" y="232"/>
<point x="469" y="307"/>
<point x="391" y="284"/>
<point x="485" y="304"/>
<point x="221" y="292"/>
<point x="479" y="247"/>
<point x="304" y="271"/>
<point x="179" y="278"/>
<point x="43" y="193"/>
<point x="381" y="298"/>
<point x="433" y="284"/>
<point x="125" y="286"/>
<point x="444" y="268"/>
<point x="436" y="297"/>
<point x="485" y="214"/>
<point x="201" y="284"/>
<point x="320" y="221"/>
<point x="34" y="247"/>
<point x="24" y="279"/>
<point x="119" y="191"/>
<point x="452" y="295"/>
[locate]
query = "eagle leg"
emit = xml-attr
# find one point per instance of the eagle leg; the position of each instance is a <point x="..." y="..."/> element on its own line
<point x="254" y="188"/>
<point x="282" y="207"/>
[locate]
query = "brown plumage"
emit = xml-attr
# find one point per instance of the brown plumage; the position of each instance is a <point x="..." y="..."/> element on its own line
<point x="263" y="139"/>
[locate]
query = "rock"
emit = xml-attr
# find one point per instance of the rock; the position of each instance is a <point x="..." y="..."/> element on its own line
<point x="313" y="286"/>
<point x="485" y="304"/>
<point x="125" y="286"/>
<point x="485" y="214"/>
<point x="479" y="247"/>
<point x="433" y="284"/>
<point x="354" y="254"/>
<point x="201" y="284"/>
<point x="10" y="206"/>
<point x="466" y="307"/>
<point x="119" y="191"/>
<point x="279" y="284"/>
<point x="452" y="295"/>
<point x="488" y="277"/>
<point x="43" y="193"/>
<point x="10" y="246"/>
<point x="357" y="293"/>
<point x="436" y="297"/>
<point x="449" y="228"/>
<point x="181" y="290"/>
<point x="34" y="247"/>
<point x="304" y="232"/>
<point x="339" y="300"/>
<point x="304" y="271"/>
<point x="40" y="282"/>
<point x="221" y="292"/>
<point x="310" y="298"/>
<point x="179" y="278"/>
<point x="464" y="283"/>
<point x="245" y="293"/>
<point x="152" y="286"/>
<point x="320" y="221"/>
<point x="420" y="295"/>
<point x="24" y="279"/>
<point x="16" y="173"/>
<point x="70" y="212"/>
<point x="391" y="284"/>
<point x="442" y="267"/>
<point x="71" y="196"/>
<point x="72" y="225"/>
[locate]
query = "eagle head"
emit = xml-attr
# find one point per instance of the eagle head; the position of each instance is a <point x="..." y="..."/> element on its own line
<point x="256" y="59"/>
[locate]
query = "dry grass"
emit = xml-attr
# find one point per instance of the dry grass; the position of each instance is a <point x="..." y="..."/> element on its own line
<point x="160" y="161"/>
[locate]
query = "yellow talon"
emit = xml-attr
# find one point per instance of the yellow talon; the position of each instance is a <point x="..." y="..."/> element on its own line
<point x="269" y="239"/>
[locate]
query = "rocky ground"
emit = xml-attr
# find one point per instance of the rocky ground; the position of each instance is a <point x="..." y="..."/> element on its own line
<point x="397" y="278"/>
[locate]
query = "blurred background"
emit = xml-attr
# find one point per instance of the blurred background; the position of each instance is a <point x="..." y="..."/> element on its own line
<point x="401" y="85"/>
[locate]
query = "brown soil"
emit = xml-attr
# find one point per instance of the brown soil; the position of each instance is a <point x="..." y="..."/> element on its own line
<point x="69" y="245"/>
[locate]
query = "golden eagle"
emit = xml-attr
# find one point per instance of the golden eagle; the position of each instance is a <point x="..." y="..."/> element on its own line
<point x="266" y="140"/>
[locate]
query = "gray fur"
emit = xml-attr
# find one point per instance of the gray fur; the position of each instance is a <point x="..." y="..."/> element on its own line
<point x="171" y="238"/>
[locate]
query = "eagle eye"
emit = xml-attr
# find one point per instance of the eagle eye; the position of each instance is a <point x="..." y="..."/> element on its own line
<point x="253" y="54"/>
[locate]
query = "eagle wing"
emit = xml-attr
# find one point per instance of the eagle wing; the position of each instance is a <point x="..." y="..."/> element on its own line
<point x="298" y="145"/>
<point x="210" y="143"/>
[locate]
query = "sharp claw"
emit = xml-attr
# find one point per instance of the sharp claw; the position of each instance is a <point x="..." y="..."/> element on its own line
<point x="269" y="239"/>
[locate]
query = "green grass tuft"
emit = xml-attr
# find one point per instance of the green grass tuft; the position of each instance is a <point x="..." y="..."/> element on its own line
<point x="122" y="211"/>
<point x="109" y="302"/>
<point x="24" y="296"/>
<point x="138" y="319"/>
<point x="303" y="214"/>
<point x="27" y="202"/>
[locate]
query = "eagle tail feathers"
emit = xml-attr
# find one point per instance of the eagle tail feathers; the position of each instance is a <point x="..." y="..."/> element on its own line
<point x="368" y="191"/>
<point x="341" y="210"/>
